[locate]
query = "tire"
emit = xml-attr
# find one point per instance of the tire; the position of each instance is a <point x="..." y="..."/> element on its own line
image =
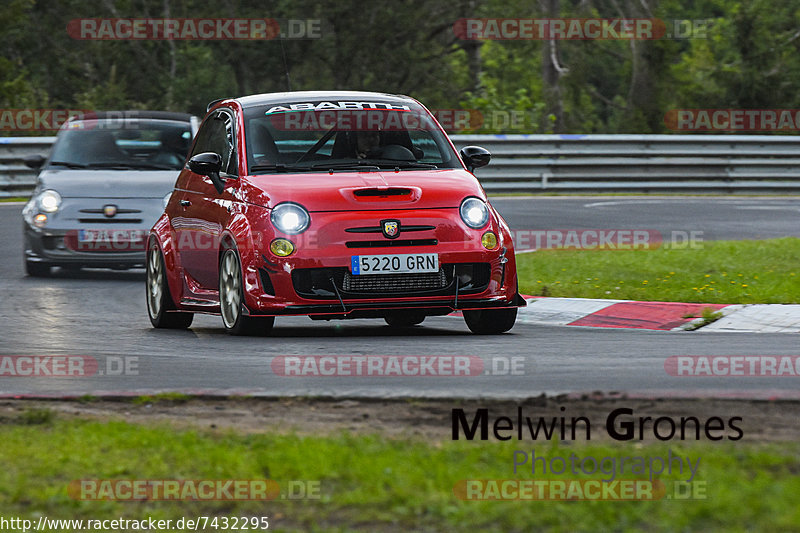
<point x="490" y="321"/>
<point x="37" y="270"/>
<point x="406" y="320"/>
<point x="231" y="296"/>
<point x="160" y="307"/>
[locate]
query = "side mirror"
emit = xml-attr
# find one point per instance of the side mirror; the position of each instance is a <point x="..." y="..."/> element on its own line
<point x="208" y="164"/>
<point x="475" y="157"/>
<point x="34" y="161"/>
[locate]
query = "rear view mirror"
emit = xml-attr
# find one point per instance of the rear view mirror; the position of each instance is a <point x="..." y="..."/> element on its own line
<point x="475" y="157"/>
<point x="208" y="164"/>
<point x="34" y="161"/>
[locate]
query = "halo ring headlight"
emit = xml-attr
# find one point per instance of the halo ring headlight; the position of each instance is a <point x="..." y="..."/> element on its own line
<point x="48" y="201"/>
<point x="290" y="218"/>
<point x="474" y="212"/>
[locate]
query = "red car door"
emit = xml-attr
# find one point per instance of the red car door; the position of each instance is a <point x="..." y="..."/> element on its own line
<point x="202" y="211"/>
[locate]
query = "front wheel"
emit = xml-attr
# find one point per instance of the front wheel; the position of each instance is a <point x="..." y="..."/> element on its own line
<point x="490" y="321"/>
<point x="159" y="301"/>
<point x="231" y="296"/>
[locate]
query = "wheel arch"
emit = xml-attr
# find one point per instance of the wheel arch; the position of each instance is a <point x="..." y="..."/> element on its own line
<point x="240" y="235"/>
<point x="164" y="238"/>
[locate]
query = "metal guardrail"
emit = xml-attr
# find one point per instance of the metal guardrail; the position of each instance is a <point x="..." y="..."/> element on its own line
<point x="15" y="178"/>
<point x="574" y="163"/>
<point x="638" y="163"/>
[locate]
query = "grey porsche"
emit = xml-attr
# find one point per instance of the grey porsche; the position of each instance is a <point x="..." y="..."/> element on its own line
<point x="106" y="182"/>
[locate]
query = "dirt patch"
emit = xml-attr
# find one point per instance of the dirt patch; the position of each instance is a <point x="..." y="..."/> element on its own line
<point x="762" y="421"/>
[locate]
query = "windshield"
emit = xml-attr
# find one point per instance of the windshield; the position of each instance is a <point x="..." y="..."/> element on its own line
<point x="129" y="144"/>
<point x="314" y="136"/>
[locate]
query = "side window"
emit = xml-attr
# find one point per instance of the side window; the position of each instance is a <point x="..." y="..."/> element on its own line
<point x="230" y="148"/>
<point x="201" y="143"/>
<point x="217" y="135"/>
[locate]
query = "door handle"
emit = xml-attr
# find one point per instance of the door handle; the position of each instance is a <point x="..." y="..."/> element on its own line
<point x="186" y="203"/>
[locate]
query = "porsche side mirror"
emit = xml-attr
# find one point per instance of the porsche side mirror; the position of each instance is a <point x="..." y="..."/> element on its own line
<point x="208" y="164"/>
<point x="475" y="157"/>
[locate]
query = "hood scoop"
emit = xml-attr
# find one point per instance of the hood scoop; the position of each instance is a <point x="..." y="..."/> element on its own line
<point x="382" y="194"/>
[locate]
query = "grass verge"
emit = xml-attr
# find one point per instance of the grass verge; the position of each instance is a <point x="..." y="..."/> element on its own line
<point x="763" y="271"/>
<point x="14" y="199"/>
<point x="376" y="483"/>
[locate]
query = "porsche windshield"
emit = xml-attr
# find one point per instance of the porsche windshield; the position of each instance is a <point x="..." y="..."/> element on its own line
<point x="315" y="136"/>
<point x="131" y="144"/>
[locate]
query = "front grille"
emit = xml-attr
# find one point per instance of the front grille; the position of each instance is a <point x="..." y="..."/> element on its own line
<point x="401" y="228"/>
<point x="323" y="283"/>
<point x="393" y="243"/>
<point x="395" y="282"/>
<point x="110" y="220"/>
<point x="120" y="211"/>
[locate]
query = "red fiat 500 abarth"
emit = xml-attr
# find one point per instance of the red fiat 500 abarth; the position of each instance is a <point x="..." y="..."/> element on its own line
<point x="330" y="205"/>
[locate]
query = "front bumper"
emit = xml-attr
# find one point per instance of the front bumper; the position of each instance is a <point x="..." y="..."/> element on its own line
<point x="380" y="309"/>
<point x="51" y="247"/>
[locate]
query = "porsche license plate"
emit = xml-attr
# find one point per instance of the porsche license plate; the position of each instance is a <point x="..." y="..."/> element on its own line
<point x="394" y="264"/>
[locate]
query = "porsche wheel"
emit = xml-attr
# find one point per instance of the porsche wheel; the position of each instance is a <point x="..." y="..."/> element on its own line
<point x="490" y="321"/>
<point x="160" y="307"/>
<point x="231" y="298"/>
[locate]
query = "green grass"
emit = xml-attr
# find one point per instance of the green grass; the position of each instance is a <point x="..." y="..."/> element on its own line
<point x="14" y="199"/>
<point x="659" y="194"/>
<point x="728" y="272"/>
<point x="162" y="397"/>
<point x="374" y="483"/>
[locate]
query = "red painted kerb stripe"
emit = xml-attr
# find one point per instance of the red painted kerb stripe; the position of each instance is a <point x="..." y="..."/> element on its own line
<point x="644" y="315"/>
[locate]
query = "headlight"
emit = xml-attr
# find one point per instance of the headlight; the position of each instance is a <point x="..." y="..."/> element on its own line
<point x="290" y="218"/>
<point x="165" y="201"/>
<point x="48" y="201"/>
<point x="474" y="212"/>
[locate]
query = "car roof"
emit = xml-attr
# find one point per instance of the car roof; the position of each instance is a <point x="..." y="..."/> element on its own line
<point x="305" y="96"/>
<point x="134" y="114"/>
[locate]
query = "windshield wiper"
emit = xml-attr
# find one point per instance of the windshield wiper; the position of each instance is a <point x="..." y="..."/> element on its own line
<point x="68" y="164"/>
<point x="281" y="167"/>
<point x="112" y="165"/>
<point x="152" y="166"/>
<point x="404" y="164"/>
<point x="349" y="165"/>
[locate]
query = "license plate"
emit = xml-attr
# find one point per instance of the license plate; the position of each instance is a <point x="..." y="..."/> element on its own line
<point x="103" y="235"/>
<point x="394" y="264"/>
